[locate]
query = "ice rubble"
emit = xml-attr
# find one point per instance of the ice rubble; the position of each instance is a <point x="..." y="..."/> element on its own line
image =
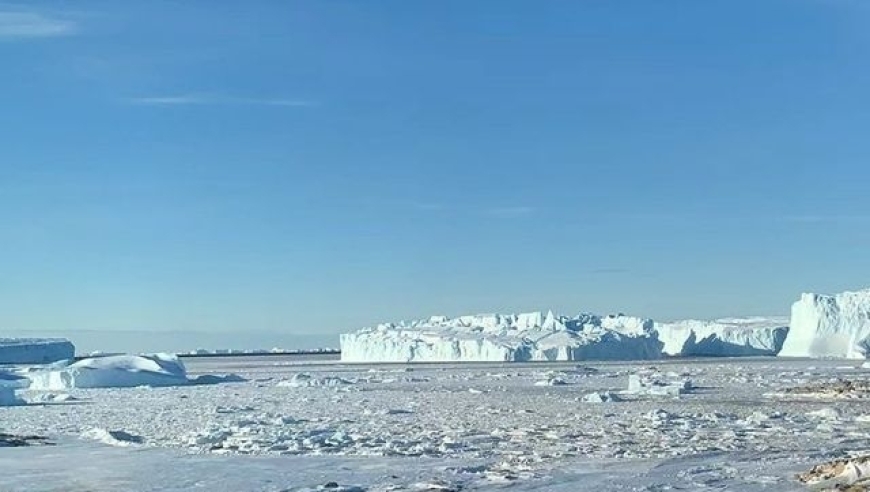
<point x="35" y="350"/>
<point x="495" y="337"/>
<point x="536" y="336"/>
<point x="728" y="337"/>
<point x="830" y="326"/>
<point x="119" y="371"/>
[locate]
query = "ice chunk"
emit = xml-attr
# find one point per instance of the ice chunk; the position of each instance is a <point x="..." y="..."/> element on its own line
<point x="830" y="326"/>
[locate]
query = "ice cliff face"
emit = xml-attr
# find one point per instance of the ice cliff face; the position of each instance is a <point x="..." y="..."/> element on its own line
<point x="830" y="326"/>
<point x="546" y="337"/>
<point x="35" y="350"/>
<point x="494" y="337"/>
<point x="730" y="337"/>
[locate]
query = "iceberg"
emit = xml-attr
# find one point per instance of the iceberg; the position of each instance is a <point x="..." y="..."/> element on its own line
<point x="835" y="326"/>
<point x="505" y="338"/>
<point x="727" y="337"/>
<point x="117" y="371"/>
<point x="35" y="350"/>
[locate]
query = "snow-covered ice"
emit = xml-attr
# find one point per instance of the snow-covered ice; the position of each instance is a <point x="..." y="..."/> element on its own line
<point x="524" y="337"/>
<point x="728" y="337"/>
<point x="118" y="371"/>
<point x="456" y="426"/>
<point x="830" y="326"/>
<point x="35" y="350"/>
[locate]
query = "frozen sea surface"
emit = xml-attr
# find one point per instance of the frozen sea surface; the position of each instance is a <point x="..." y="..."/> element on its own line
<point x="745" y="424"/>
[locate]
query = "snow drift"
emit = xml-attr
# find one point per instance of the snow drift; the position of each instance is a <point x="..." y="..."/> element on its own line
<point x="495" y="337"/>
<point x="729" y="337"/>
<point x="830" y="326"/>
<point x="35" y="350"/>
<point x="120" y="371"/>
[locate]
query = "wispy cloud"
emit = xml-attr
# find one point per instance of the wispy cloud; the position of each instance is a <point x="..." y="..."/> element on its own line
<point x="23" y="25"/>
<point x="509" y="212"/>
<point x="216" y="100"/>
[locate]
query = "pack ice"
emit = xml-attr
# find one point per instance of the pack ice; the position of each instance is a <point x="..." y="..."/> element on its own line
<point x="496" y="337"/>
<point x="35" y="350"/>
<point x="728" y="337"/>
<point x="830" y="326"/>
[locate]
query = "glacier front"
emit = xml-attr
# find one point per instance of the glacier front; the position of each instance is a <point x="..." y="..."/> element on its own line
<point x="496" y="337"/>
<point x="830" y="326"/>
<point x="727" y="337"/>
<point x="35" y="350"/>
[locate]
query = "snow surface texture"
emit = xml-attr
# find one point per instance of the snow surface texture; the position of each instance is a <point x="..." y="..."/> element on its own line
<point x="730" y="337"/>
<point x="35" y="350"/>
<point x="522" y="337"/>
<point x="538" y="337"/>
<point x="830" y="326"/>
<point x="446" y="427"/>
<point x="119" y="371"/>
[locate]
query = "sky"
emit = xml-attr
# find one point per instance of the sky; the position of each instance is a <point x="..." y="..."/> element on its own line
<point x="312" y="167"/>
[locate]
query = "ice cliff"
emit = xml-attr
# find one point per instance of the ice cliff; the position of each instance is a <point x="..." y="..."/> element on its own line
<point x="35" y="350"/>
<point x="830" y="326"/>
<point x="729" y="337"/>
<point x="494" y="337"/>
<point x="546" y="337"/>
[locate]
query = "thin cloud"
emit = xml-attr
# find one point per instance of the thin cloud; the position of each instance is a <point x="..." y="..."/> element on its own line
<point x="30" y="25"/>
<point x="216" y="100"/>
<point x="509" y="212"/>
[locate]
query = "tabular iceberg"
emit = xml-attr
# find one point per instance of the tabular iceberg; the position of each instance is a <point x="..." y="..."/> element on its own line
<point x="830" y="326"/>
<point x="35" y="350"/>
<point x="728" y="337"/>
<point x="496" y="337"/>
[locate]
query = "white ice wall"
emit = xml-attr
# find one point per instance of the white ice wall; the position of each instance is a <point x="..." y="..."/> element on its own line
<point x="35" y="350"/>
<point x="830" y="326"/>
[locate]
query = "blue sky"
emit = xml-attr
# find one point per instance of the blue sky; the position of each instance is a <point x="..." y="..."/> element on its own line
<point x="312" y="167"/>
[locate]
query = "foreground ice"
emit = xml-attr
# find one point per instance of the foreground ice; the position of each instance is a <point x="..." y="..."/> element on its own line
<point x="830" y="326"/>
<point x="746" y="425"/>
<point x="35" y="350"/>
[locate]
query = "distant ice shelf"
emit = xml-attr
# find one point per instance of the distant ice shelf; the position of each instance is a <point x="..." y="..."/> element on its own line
<point x="495" y="337"/>
<point x="35" y="350"/>
<point x="548" y="337"/>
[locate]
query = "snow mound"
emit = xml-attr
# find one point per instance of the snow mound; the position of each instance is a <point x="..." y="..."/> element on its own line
<point x="496" y="337"/>
<point x="601" y="397"/>
<point x="304" y="380"/>
<point x="113" y="438"/>
<point x="729" y="337"/>
<point x="120" y="371"/>
<point x="650" y="385"/>
<point x="35" y="350"/>
<point x="830" y="326"/>
<point x="840" y="474"/>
